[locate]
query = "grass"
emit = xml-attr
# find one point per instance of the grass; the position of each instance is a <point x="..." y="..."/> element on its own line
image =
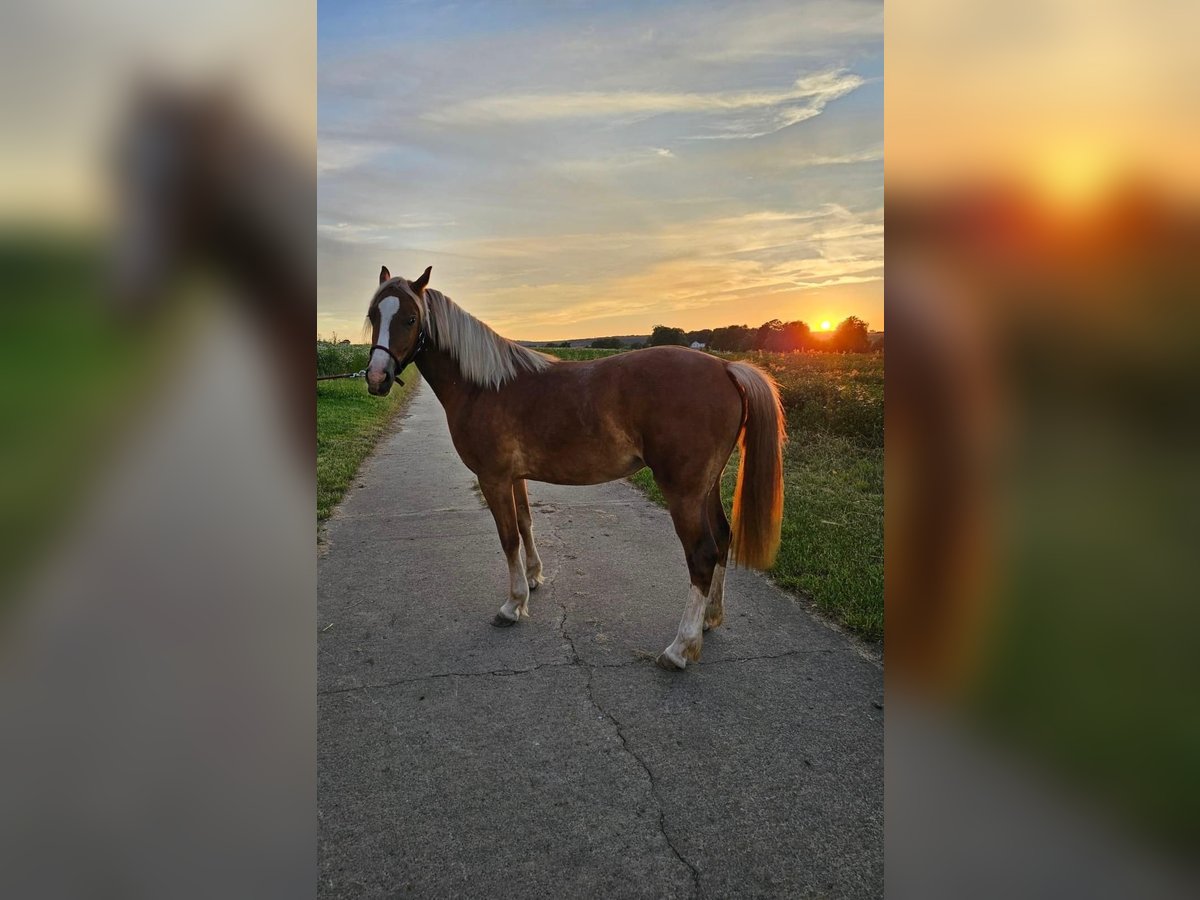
<point x="832" y="541"/>
<point x="1091" y="662"/>
<point x="576" y="353"/>
<point x="70" y="376"/>
<point x="334" y="359"/>
<point x="349" y="421"/>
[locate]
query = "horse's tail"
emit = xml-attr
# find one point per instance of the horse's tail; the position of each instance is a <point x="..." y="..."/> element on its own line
<point x="758" y="498"/>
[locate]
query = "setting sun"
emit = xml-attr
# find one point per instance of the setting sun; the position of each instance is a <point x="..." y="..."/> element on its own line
<point x="1075" y="175"/>
<point x="824" y="326"/>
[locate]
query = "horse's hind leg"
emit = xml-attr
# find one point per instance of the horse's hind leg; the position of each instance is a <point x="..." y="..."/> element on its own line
<point x="690" y="517"/>
<point x="533" y="562"/>
<point x="499" y="497"/>
<point x="714" y="612"/>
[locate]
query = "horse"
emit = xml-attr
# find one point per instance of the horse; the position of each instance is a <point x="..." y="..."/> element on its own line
<point x="516" y="415"/>
<point x="198" y="182"/>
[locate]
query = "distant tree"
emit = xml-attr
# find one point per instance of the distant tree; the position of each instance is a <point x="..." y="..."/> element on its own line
<point x="851" y="336"/>
<point x="607" y="343"/>
<point x="780" y="337"/>
<point x="731" y="337"/>
<point x="703" y="336"/>
<point x="767" y="336"/>
<point x="794" y="336"/>
<point x="664" y="335"/>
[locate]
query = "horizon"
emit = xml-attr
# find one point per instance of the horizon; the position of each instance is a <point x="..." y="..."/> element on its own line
<point x="816" y="329"/>
<point x="645" y="165"/>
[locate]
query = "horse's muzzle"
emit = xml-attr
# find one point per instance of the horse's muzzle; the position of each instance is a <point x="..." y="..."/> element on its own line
<point x="379" y="384"/>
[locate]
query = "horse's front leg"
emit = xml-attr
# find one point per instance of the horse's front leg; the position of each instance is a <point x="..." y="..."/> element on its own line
<point x="499" y="496"/>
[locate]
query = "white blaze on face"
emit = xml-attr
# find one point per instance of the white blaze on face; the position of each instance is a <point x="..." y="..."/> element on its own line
<point x="388" y="307"/>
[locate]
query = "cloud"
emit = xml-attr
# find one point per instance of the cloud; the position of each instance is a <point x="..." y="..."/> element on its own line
<point x="678" y="267"/>
<point x="615" y="172"/>
<point x="738" y="114"/>
<point x="552" y="282"/>
<point x="378" y="232"/>
<point x="337" y="155"/>
<point x="875" y="154"/>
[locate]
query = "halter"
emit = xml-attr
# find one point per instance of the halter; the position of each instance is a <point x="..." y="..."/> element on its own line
<point x="402" y="364"/>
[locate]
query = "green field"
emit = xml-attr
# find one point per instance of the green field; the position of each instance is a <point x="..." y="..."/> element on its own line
<point x="832" y="549"/>
<point x="349" y="420"/>
<point x="576" y="353"/>
<point x="71" y="376"/>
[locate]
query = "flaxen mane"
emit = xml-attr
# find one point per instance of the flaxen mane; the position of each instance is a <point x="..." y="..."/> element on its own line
<point x="486" y="358"/>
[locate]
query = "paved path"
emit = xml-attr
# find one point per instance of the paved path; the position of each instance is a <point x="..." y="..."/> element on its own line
<point x="555" y="759"/>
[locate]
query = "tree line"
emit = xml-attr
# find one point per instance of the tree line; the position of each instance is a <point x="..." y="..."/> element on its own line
<point x="850" y="336"/>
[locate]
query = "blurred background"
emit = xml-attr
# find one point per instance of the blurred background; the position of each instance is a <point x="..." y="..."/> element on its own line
<point x="1043" y="248"/>
<point x="157" y="579"/>
<point x="156" y="569"/>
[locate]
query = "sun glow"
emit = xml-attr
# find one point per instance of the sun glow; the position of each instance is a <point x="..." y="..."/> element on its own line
<point x="824" y="326"/>
<point x="1075" y="175"/>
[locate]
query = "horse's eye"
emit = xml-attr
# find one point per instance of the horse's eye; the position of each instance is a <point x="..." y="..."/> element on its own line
<point x="412" y="320"/>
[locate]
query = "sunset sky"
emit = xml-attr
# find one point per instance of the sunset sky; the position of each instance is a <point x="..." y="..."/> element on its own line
<point x="576" y="170"/>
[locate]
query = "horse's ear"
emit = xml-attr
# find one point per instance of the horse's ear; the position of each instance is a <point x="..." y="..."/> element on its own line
<point x="421" y="283"/>
<point x="384" y="274"/>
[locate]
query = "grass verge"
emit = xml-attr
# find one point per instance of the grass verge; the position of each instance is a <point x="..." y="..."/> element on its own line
<point x="72" y="378"/>
<point x="349" y="422"/>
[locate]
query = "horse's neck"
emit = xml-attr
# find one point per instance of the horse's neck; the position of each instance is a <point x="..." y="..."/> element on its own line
<point x="443" y="374"/>
<point x="257" y="224"/>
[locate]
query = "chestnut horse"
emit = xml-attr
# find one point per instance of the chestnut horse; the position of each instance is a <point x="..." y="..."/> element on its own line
<point x="200" y="184"/>
<point x="517" y="415"/>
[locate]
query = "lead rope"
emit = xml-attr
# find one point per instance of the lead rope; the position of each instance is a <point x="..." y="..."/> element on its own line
<point x="362" y="373"/>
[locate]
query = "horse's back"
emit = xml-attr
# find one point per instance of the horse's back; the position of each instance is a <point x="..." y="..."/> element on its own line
<point x="674" y="381"/>
<point x="590" y="421"/>
<point x="659" y="397"/>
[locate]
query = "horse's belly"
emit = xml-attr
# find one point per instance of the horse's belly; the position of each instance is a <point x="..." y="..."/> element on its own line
<point x="582" y="477"/>
<point x="581" y="462"/>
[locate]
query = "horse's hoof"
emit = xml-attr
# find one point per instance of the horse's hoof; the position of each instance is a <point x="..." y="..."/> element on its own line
<point x="503" y="621"/>
<point x="534" y="585"/>
<point x="665" y="662"/>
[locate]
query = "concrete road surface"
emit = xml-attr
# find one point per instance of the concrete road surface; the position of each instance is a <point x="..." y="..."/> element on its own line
<point x="555" y="759"/>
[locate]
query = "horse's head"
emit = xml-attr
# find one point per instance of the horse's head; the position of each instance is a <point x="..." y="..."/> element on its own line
<point x="397" y="319"/>
<point x="172" y="169"/>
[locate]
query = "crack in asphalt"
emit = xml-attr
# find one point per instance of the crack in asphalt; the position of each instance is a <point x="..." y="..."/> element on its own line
<point x="552" y="537"/>
<point x="577" y="660"/>
<point x="500" y="673"/>
<point x="367" y="676"/>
